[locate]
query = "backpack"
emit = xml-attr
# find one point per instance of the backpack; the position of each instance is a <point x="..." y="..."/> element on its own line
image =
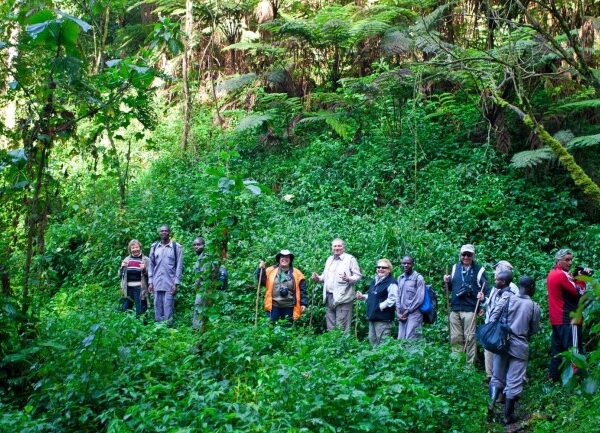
<point x="429" y="306"/>
<point x="153" y="248"/>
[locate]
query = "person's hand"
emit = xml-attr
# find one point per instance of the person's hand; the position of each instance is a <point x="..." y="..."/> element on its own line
<point x="345" y="277"/>
<point x="480" y="296"/>
<point x="302" y="308"/>
<point x="151" y="288"/>
<point x="142" y="266"/>
<point x="447" y="278"/>
<point x="174" y="289"/>
<point x="480" y="312"/>
<point x="315" y="277"/>
<point x="402" y="317"/>
<point x="262" y="264"/>
<point x="360" y="296"/>
<point x="125" y="263"/>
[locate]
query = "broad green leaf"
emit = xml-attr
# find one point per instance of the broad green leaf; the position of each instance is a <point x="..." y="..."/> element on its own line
<point x="82" y="24"/>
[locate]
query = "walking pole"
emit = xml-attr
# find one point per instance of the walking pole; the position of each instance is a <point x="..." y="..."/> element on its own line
<point x="448" y="293"/>
<point x="471" y="325"/>
<point x="312" y="305"/>
<point x="257" y="296"/>
<point x="355" y="320"/>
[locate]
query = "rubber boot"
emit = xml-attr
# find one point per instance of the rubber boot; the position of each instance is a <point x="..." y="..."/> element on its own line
<point x="494" y="394"/>
<point x="509" y="411"/>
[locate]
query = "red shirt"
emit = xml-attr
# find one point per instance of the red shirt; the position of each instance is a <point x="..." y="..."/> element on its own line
<point x="563" y="295"/>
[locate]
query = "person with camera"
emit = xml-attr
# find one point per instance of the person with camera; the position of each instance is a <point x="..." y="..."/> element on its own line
<point x="339" y="277"/>
<point x="468" y="287"/>
<point x="522" y="315"/>
<point x="563" y="297"/>
<point x="381" y="302"/>
<point x="285" y="295"/>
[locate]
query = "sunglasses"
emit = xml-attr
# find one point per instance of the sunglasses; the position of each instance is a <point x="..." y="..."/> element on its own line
<point x="467" y="254"/>
<point x="382" y="267"/>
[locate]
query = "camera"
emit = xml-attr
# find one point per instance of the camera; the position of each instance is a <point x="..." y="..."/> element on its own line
<point x="580" y="270"/>
<point x="463" y="290"/>
<point x="283" y="292"/>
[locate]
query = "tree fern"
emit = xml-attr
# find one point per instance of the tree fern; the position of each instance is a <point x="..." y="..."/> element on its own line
<point x="235" y="83"/>
<point x="580" y="105"/>
<point x="583" y="142"/>
<point x="252" y="121"/>
<point x="531" y="158"/>
<point x="339" y="122"/>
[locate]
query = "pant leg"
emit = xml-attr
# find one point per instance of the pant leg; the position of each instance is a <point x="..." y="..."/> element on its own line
<point x="562" y="339"/>
<point x="196" y="314"/>
<point x="330" y="312"/>
<point x="169" y="305"/>
<point x="372" y="334"/>
<point x="159" y="306"/>
<point x="469" y="335"/>
<point x="127" y="302"/>
<point x="343" y="316"/>
<point x="137" y="299"/>
<point x="413" y="325"/>
<point x="382" y="330"/>
<point x="515" y="377"/>
<point x="489" y="362"/>
<point x="457" y="339"/>
<point x="500" y="363"/>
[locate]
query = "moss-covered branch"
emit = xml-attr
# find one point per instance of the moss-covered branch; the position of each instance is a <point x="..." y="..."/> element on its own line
<point x="579" y="176"/>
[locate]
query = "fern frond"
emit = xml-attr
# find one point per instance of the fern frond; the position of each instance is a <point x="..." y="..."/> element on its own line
<point x="584" y="141"/>
<point x="343" y="126"/>
<point x="564" y="136"/>
<point x="531" y="158"/>
<point x="235" y="83"/>
<point x="579" y="105"/>
<point x="427" y="22"/>
<point x="396" y="43"/>
<point x="252" y="121"/>
<point x="254" y="47"/>
<point x="367" y="28"/>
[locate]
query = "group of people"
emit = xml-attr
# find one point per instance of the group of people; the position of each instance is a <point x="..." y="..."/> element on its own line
<point x="387" y="299"/>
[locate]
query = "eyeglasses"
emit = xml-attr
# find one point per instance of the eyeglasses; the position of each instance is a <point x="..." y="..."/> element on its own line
<point x="467" y="254"/>
<point x="382" y="267"/>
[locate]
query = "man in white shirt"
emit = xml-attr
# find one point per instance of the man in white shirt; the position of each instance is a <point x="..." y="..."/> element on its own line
<point x="339" y="277"/>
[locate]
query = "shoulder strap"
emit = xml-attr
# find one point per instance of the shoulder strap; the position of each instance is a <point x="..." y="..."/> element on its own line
<point x="152" y="250"/>
<point x="453" y="271"/>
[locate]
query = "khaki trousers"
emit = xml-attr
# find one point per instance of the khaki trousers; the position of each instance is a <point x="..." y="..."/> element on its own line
<point x="338" y="316"/>
<point x="459" y="322"/>
<point x="378" y="331"/>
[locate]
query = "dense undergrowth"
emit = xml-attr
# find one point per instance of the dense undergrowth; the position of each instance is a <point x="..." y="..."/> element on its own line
<point x="92" y="368"/>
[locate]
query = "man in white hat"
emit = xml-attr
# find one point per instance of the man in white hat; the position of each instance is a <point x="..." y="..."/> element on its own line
<point x="468" y="283"/>
<point x="285" y="295"/>
<point x="339" y="277"/>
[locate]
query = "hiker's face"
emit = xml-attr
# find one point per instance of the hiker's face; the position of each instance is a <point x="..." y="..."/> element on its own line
<point x="407" y="265"/>
<point x="501" y="284"/>
<point x="382" y="269"/>
<point x="566" y="262"/>
<point x="164" y="233"/>
<point x="338" y="248"/>
<point x="135" y="250"/>
<point x="198" y="247"/>
<point x="466" y="258"/>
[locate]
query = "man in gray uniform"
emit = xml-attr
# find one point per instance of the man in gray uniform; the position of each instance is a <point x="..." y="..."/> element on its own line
<point x="164" y="274"/>
<point x="411" y="293"/>
<point x="523" y="317"/>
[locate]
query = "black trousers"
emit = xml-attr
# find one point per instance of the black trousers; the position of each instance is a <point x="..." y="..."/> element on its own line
<point x="562" y="340"/>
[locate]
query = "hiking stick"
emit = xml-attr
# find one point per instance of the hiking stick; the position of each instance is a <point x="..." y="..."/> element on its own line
<point x="260" y="272"/>
<point x="471" y="325"/>
<point x="448" y="294"/>
<point x="355" y="321"/>
<point x="312" y="305"/>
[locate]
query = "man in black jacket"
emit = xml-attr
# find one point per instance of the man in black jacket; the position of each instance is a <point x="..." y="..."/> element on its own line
<point x="468" y="283"/>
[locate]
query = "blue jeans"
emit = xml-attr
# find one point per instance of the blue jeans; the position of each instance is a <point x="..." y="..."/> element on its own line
<point x="278" y="313"/>
<point x="133" y="298"/>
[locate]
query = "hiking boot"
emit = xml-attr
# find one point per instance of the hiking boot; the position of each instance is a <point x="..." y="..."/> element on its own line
<point x="494" y="394"/>
<point x="509" y="411"/>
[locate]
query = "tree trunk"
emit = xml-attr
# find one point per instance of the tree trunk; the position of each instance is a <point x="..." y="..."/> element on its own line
<point x="103" y="38"/>
<point x="187" y="97"/>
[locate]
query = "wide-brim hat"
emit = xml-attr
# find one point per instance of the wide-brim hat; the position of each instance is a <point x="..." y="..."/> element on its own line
<point x="284" y="253"/>
<point x="503" y="265"/>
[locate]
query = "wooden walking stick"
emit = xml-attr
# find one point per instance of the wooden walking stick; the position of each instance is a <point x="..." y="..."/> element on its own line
<point x="470" y="329"/>
<point x="448" y="294"/>
<point x="260" y="272"/>
<point x="312" y="305"/>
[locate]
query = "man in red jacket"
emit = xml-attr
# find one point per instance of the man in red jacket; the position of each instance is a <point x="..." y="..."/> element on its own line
<point x="563" y="297"/>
